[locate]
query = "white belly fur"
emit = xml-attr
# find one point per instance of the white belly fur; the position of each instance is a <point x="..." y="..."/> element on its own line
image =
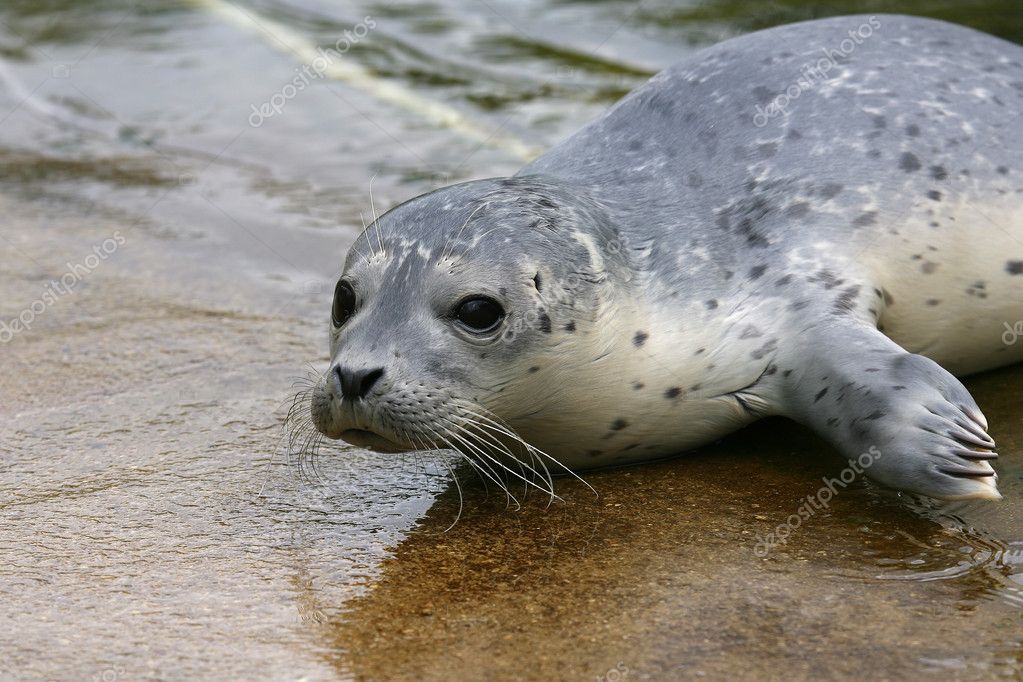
<point x="965" y="313"/>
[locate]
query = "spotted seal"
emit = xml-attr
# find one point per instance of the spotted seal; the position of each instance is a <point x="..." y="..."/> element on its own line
<point x="822" y="220"/>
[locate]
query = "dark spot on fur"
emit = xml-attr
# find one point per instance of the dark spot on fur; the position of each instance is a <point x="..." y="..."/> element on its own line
<point x="847" y="299"/>
<point x="673" y="392"/>
<point x="798" y="209"/>
<point x="699" y="350"/>
<point x="570" y="327"/>
<point x="833" y="421"/>
<point x="868" y="218"/>
<point x="534" y="368"/>
<point x="909" y="163"/>
<point x="536" y="281"/>
<point x="938" y="173"/>
<point x="638" y="385"/>
<point x="1002" y="170"/>
<point x="786" y="373"/>
<point x="933" y="301"/>
<point x="744" y="215"/>
<point x="765" y="349"/>
<point x="879" y="121"/>
<point x="913" y="130"/>
<point x="545" y="323"/>
<point x="756" y="271"/>
<point x="619" y="424"/>
<point x="782" y="281"/>
<point x="830" y="190"/>
<point x="827" y="278"/>
<point x="762" y="94"/>
<point x="875" y="415"/>
<point x="1014" y="267"/>
<point x="771" y="369"/>
<point x="898" y="388"/>
<point x="711" y="304"/>
<point x="640" y="338"/>
<point x="934" y="195"/>
<point x="820" y="394"/>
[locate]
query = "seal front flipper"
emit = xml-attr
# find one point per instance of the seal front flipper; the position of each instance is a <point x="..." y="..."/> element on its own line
<point x="865" y="394"/>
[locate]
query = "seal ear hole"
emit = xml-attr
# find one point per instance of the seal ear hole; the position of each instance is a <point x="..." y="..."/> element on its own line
<point x="537" y="281"/>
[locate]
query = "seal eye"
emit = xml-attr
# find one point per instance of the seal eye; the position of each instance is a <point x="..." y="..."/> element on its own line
<point x="344" y="303"/>
<point x="479" y="315"/>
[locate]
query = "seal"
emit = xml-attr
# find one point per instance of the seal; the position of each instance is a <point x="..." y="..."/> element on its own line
<point x="822" y="220"/>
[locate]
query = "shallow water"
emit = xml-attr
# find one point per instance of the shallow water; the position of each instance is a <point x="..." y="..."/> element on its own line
<point x="151" y="525"/>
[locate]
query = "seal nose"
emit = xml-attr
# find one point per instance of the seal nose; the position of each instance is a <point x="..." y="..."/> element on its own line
<point x="356" y="383"/>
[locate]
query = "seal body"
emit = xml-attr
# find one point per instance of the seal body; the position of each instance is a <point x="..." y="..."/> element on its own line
<point x="822" y="220"/>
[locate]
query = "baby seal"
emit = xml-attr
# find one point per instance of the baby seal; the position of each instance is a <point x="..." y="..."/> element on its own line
<point x="734" y="239"/>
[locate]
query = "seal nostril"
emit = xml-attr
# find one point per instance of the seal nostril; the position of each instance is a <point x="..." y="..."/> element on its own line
<point x="356" y="384"/>
<point x="368" y="380"/>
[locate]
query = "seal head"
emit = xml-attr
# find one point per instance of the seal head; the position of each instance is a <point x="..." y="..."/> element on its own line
<point x="468" y="303"/>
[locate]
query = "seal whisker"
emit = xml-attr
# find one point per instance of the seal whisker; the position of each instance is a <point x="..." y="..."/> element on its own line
<point x="454" y="476"/>
<point x="511" y="471"/>
<point x="491" y="440"/>
<point x="503" y="486"/>
<point x="504" y="429"/>
<point x="376" y="218"/>
<point x="500" y="446"/>
<point x="501" y="427"/>
<point x="479" y="467"/>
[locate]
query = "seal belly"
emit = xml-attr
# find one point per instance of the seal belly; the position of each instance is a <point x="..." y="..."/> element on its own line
<point x="954" y="285"/>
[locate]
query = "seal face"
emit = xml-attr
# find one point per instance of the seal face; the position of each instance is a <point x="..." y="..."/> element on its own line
<point x="716" y="248"/>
